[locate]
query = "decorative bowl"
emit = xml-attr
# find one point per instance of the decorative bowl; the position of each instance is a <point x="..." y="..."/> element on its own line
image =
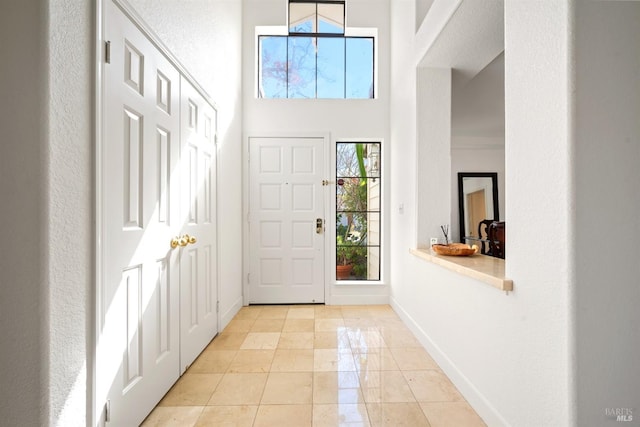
<point x="455" y="249"/>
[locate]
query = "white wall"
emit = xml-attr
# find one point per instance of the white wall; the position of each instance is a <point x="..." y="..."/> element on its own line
<point x="607" y="223"/>
<point x="339" y="118"/>
<point x="477" y="106"/>
<point x="509" y="355"/>
<point x="24" y="268"/>
<point x="70" y="210"/>
<point x="46" y="264"/>
<point x="422" y="7"/>
<point x="46" y="300"/>
<point x="539" y="201"/>
<point x="433" y="115"/>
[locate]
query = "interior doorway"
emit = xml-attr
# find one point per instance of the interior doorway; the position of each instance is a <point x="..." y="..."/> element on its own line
<point x="477" y="211"/>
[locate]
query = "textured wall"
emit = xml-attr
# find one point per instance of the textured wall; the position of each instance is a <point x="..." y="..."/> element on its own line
<point x="23" y="214"/>
<point x="70" y="220"/>
<point x="607" y="224"/>
<point x="433" y="112"/>
<point x="539" y="202"/>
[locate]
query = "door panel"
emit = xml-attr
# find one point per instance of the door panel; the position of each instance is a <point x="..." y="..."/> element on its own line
<point x="138" y="344"/>
<point x="286" y="200"/>
<point x="198" y="306"/>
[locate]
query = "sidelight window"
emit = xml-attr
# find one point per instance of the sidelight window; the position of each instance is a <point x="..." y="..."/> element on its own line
<point x="358" y="214"/>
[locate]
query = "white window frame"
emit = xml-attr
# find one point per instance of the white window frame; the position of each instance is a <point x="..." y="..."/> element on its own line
<point x="331" y="221"/>
<point x="279" y="30"/>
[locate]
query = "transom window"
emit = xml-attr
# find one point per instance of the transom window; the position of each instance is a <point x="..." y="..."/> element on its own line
<point x="321" y="17"/>
<point x="316" y="59"/>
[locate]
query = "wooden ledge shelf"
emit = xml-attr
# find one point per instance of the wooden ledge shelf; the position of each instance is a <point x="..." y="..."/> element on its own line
<point x="484" y="268"/>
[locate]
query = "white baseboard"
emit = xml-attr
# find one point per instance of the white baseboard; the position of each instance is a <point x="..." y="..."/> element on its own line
<point x="358" y="300"/>
<point x="476" y="399"/>
<point x="227" y="315"/>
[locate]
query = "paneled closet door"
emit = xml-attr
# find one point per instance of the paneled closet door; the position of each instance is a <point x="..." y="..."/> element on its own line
<point x="138" y="338"/>
<point x="198" y="267"/>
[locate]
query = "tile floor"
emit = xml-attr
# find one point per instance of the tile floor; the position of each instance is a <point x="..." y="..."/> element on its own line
<point x="318" y="366"/>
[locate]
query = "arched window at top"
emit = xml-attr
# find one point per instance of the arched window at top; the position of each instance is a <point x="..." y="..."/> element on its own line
<point x="316" y="18"/>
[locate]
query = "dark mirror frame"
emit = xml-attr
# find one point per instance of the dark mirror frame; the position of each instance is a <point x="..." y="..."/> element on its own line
<point x="494" y="186"/>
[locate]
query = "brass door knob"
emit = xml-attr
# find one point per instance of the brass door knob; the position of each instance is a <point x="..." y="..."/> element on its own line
<point x="175" y="242"/>
<point x="183" y="240"/>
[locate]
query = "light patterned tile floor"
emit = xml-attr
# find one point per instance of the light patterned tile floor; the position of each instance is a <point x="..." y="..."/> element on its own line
<point x="312" y="366"/>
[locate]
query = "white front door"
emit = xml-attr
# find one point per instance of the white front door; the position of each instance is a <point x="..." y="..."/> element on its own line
<point x="198" y="267"/>
<point x="286" y="220"/>
<point x="138" y="339"/>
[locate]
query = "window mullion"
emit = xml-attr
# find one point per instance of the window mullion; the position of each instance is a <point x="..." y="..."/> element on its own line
<point x="344" y="85"/>
<point x="373" y="68"/>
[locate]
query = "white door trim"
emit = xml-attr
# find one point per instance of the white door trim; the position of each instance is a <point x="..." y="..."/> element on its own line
<point x="326" y="137"/>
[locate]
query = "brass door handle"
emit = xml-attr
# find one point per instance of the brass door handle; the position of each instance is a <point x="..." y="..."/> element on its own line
<point x="183" y="240"/>
<point x="179" y="241"/>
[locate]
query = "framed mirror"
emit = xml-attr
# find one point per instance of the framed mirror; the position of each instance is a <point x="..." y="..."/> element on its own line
<point x="477" y="201"/>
